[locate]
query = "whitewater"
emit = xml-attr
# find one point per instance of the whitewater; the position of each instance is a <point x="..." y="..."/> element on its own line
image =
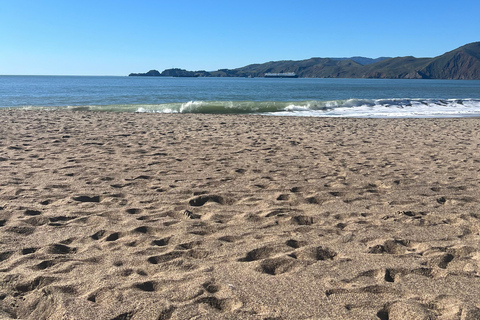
<point x="337" y="108"/>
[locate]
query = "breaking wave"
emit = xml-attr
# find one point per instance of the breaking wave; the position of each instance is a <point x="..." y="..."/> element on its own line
<point x="315" y="108"/>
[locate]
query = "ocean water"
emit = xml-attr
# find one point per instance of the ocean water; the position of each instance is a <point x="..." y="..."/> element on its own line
<point x="285" y="97"/>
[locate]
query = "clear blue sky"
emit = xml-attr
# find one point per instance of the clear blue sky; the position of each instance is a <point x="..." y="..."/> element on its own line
<point x="116" y="37"/>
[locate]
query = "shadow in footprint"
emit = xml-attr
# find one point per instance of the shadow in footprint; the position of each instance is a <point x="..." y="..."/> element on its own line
<point x="28" y="250"/>
<point x="390" y="247"/>
<point x="302" y="220"/>
<point x="113" y="237"/>
<point x="44" y="265"/>
<point x="133" y="211"/>
<point x="165" y="257"/>
<point x="32" y="212"/>
<point x="441" y="260"/>
<point x="87" y="198"/>
<point x="259" y="253"/>
<point x="316" y="254"/>
<point x="5" y="255"/>
<point x="142" y="229"/>
<point x="161" y="242"/>
<point x="148" y="286"/>
<point x="283" y="197"/>
<point x="60" y="249"/>
<point x="215" y="303"/>
<point x="98" y="235"/>
<point x="61" y="219"/>
<point x="36" y="283"/>
<point x="295" y="243"/>
<point x="277" y="266"/>
<point x="201" y="200"/>
<point x="210" y="287"/>
<point x="124" y="316"/>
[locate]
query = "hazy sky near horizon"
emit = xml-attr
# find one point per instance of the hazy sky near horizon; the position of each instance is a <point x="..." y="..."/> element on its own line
<point x="116" y="37"/>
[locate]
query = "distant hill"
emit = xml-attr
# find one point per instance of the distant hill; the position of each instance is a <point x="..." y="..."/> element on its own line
<point x="362" y="60"/>
<point x="151" y="73"/>
<point x="176" y="72"/>
<point x="461" y="63"/>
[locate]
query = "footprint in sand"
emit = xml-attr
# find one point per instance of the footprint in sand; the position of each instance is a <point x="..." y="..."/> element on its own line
<point x="314" y="254"/>
<point x="391" y="247"/>
<point x="84" y="198"/>
<point x="203" y="199"/>
<point x="113" y="237"/>
<point x="276" y="266"/>
<point x="32" y="212"/>
<point x="263" y="253"/>
<point x="406" y="310"/>
<point x="161" y="242"/>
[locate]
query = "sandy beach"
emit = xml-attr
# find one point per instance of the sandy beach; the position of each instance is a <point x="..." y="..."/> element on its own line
<point x="123" y="216"/>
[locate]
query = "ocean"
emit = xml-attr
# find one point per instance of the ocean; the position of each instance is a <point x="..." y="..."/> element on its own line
<point x="373" y="98"/>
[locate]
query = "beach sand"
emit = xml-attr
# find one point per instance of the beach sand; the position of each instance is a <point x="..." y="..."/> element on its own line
<point x="153" y="216"/>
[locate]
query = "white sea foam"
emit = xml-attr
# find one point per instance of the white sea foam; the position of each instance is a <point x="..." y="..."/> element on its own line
<point x="386" y="108"/>
<point x="374" y="108"/>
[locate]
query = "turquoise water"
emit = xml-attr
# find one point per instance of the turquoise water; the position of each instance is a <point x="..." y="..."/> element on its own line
<point x="294" y="97"/>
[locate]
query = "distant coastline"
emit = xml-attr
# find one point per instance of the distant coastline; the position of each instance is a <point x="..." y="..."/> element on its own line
<point x="460" y="64"/>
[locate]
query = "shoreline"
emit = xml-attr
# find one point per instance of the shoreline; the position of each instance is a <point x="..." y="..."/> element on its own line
<point x="176" y="216"/>
<point x="282" y="114"/>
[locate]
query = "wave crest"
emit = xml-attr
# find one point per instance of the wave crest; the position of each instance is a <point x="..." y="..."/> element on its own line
<point x="316" y="108"/>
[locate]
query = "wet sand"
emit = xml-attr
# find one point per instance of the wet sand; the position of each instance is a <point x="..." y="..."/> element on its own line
<point x="149" y="216"/>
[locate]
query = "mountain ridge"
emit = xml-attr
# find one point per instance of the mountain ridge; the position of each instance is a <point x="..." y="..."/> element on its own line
<point x="462" y="63"/>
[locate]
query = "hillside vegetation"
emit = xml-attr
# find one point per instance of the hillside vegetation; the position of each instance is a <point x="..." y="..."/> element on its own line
<point x="461" y="63"/>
